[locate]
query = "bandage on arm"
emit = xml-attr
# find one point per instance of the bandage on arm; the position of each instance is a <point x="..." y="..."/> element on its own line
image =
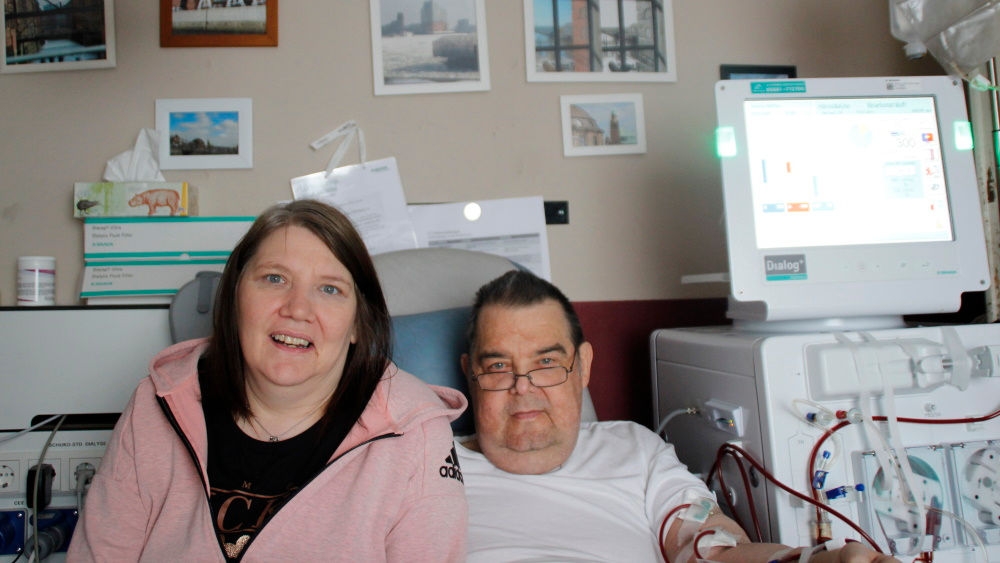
<point x="719" y="538"/>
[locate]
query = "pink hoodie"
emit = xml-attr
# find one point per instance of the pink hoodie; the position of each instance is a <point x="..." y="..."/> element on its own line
<point x="392" y="492"/>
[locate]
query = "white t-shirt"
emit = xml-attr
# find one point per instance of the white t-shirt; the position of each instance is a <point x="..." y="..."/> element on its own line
<point x="606" y="503"/>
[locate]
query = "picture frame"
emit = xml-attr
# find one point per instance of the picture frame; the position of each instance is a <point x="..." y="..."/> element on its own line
<point x="218" y="23"/>
<point x="205" y="133"/>
<point x="442" y="48"/>
<point x="735" y="72"/>
<point x="609" y="41"/>
<point x="603" y="124"/>
<point x="35" y="40"/>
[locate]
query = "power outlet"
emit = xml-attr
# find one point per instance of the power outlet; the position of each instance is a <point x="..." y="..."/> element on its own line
<point x="724" y="416"/>
<point x="10" y="476"/>
<point x="80" y="466"/>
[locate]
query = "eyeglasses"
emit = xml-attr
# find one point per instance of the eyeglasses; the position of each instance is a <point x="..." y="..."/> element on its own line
<point x="541" y="377"/>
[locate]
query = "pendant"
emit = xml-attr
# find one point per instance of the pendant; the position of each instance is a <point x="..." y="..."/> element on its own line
<point x="272" y="439"/>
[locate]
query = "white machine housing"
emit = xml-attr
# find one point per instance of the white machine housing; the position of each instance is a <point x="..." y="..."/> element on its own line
<point x="848" y="198"/>
<point x="772" y="381"/>
<point x="72" y="361"/>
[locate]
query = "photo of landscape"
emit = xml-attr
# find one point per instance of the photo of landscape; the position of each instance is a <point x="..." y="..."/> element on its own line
<point x="428" y="42"/>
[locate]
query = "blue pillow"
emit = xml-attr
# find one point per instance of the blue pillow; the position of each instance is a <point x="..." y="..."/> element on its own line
<point x="430" y="346"/>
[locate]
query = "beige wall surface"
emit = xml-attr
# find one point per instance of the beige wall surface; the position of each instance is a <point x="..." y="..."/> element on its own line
<point x="637" y="222"/>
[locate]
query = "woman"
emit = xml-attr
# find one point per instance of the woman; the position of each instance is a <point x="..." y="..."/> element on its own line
<point x="288" y="435"/>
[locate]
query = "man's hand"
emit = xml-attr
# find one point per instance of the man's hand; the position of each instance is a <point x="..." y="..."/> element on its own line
<point x="746" y="551"/>
<point x="853" y="552"/>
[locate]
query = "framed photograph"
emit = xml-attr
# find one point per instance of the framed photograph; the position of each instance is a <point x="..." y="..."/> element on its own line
<point x="736" y="72"/>
<point x="205" y="133"/>
<point x="603" y="125"/>
<point x="599" y="41"/>
<point x="58" y="35"/>
<point x="421" y="47"/>
<point x="218" y="23"/>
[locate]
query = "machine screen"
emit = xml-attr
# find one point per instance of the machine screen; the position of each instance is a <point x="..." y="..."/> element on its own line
<point x="846" y="171"/>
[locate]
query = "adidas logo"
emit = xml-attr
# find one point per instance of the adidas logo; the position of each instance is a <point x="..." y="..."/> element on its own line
<point x="451" y="469"/>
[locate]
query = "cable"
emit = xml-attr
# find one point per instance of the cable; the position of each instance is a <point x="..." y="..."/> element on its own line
<point x="717" y="469"/>
<point x="746" y="488"/>
<point x="29" y="429"/>
<point x="84" y="475"/>
<point x="968" y="528"/>
<point x="670" y="416"/>
<point x="757" y="465"/>
<point x="34" y="491"/>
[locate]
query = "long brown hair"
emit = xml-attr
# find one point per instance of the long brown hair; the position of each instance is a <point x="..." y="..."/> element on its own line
<point x="225" y="366"/>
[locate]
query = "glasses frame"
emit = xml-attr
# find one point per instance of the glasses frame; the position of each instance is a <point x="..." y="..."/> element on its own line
<point x="527" y="375"/>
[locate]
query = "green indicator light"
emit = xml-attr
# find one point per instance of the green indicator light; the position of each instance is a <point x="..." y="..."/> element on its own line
<point x="725" y="142"/>
<point x="963" y="136"/>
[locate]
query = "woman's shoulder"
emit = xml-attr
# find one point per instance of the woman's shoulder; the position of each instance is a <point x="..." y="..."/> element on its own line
<point x="409" y="399"/>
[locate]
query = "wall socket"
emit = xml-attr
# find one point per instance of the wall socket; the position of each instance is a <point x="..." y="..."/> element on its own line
<point x="725" y="416"/>
<point x="10" y="472"/>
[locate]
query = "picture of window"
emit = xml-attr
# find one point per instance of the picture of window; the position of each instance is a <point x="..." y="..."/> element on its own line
<point x="57" y="35"/>
<point x="205" y="133"/>
<point x="603" y="124"/>
<point x="599" y="40"/>
<point x="423" y="46"/>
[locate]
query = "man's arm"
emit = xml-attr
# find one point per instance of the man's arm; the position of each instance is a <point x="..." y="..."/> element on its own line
<point x="747" y="552"/>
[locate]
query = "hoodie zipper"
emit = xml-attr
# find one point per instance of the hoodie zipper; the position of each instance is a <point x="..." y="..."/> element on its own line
<point x="201" y="474"/>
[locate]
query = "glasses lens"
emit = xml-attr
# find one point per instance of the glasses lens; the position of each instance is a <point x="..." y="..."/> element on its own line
<point x="541" y="377"/>
<point x="547" y="377"/>
<point x="497" y="381"/>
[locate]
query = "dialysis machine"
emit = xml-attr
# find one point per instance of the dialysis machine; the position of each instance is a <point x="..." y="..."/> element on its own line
<point x="827" y="414"/>
<point x="849" y="203"/>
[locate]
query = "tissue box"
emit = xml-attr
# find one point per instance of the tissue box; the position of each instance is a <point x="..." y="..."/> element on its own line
<point x="162" y="238"/>
<point x="123" y="199"/>
<point x="142" y="277"/>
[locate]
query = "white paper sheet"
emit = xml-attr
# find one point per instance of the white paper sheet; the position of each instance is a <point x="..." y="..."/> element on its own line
<point x="371" y="194"/>
<point x="512" y="227"/>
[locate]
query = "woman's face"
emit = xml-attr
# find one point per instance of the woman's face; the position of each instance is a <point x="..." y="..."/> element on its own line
<point x="297" y="307"/>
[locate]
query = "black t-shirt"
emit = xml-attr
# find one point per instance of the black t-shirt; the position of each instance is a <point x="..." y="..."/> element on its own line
<point x="250" y="480"/>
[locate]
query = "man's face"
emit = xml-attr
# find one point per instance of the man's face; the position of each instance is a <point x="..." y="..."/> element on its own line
<point x="527" y="429"/>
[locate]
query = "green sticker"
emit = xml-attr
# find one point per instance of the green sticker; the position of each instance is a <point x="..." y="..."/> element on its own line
<point x="778" y="87"/>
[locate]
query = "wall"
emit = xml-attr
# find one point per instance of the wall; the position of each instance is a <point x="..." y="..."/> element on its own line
<point x="637" y="222"/>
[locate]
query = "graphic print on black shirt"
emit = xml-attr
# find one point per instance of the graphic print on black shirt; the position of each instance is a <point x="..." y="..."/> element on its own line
<point x="250" y="480"/>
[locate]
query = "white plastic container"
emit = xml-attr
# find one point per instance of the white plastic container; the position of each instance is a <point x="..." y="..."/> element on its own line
<point x="36" y="281"/>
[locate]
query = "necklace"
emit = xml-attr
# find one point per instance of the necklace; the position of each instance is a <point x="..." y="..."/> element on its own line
<point x="272" y="437"/>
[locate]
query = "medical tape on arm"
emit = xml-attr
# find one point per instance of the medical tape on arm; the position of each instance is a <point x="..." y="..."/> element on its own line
<point x="692" y="518"/>
<point x="715" y="536"/>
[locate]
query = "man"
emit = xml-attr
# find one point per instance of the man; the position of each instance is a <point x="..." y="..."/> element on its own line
<point x="543" y="487"/>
